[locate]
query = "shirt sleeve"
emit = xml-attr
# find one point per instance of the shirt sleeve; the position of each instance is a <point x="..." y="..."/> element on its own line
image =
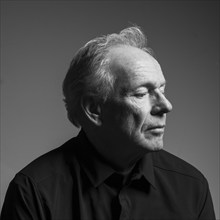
<point x="22" y="201"/>
<point x="206" y="205"/>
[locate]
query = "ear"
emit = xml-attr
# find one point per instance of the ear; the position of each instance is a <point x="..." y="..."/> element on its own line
<point x="92" y="109"/>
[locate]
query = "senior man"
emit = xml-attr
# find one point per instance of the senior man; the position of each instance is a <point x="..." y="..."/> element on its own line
<point x="115" y="168"/>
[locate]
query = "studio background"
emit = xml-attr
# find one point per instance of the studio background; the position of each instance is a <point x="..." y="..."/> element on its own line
<point x="39" y="39"/>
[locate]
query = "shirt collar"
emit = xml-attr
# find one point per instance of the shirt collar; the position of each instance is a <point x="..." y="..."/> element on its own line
<point x="146" y="168"/>
<point x="98" y="171"/>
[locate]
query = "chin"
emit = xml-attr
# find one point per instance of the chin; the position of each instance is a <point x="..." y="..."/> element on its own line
<point x="151" y="143"/>
<point x="151" y="146"/>
<point x="157" y="148"/>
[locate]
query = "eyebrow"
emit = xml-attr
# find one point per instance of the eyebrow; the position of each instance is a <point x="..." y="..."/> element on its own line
<point x="153" y="85"/>
<point x="150" y="85"/>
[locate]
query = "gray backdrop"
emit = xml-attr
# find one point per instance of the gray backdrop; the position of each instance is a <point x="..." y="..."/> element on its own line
<point x="38" y="40"/>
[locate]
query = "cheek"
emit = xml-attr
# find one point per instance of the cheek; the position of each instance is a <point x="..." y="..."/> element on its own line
<point x="127" y="115"/>
<point x="141" y="107"/>
<point x="138" y="115"/>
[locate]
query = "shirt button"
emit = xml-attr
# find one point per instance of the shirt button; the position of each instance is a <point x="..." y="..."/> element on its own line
<point x="124" y="215"/>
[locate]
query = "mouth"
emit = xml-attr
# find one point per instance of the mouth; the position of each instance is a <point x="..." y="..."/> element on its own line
<point x="156" y="129"/>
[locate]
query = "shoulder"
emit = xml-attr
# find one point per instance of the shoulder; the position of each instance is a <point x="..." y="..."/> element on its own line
<point x="167" y="162"/>
<point x="51" y="164"/>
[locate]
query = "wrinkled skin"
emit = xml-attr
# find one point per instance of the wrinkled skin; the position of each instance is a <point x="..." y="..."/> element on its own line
<point x="134" y="116"/>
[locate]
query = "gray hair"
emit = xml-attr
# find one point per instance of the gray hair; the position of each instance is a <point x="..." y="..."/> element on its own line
<point x="88" y="72"/>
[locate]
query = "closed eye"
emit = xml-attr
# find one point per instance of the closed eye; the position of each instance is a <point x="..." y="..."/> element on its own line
<point x="140" y="95"/>
<point x="140" y="92"/>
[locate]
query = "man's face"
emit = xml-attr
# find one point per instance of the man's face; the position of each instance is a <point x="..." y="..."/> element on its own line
<point x="134" y="117"/>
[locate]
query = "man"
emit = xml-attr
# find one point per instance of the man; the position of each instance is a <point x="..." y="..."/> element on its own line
<point x="115" y="168"/>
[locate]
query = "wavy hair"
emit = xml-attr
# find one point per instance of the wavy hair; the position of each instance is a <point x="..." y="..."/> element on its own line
<point x="89" y="73"/>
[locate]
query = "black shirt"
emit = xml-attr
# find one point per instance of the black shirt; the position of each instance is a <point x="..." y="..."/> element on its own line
<point x="72" y="182"/>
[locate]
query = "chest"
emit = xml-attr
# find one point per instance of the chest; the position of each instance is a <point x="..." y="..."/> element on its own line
<point x="136" y="201"/>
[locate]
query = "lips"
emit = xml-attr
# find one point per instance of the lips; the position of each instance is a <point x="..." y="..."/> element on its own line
<point x="153" y="127"/>
<point x="156" y="130"/>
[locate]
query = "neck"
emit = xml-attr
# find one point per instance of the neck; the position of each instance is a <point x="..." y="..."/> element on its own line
<point x="121" y="159"/>
<point x="121" y="156"/>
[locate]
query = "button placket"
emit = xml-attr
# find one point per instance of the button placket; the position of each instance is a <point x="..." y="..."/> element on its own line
<point x="125" y="205"/>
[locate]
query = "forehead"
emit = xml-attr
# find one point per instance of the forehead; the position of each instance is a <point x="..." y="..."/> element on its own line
<point x="134" y="67"/>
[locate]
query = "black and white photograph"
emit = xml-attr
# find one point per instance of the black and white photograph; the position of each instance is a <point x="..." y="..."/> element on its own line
<point x="109" y="110"/>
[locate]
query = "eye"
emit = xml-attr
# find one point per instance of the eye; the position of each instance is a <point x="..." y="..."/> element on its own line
<point x="140" y="93"/>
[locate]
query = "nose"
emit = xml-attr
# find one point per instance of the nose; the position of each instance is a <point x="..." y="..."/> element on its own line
<point x="161" y="105"/>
